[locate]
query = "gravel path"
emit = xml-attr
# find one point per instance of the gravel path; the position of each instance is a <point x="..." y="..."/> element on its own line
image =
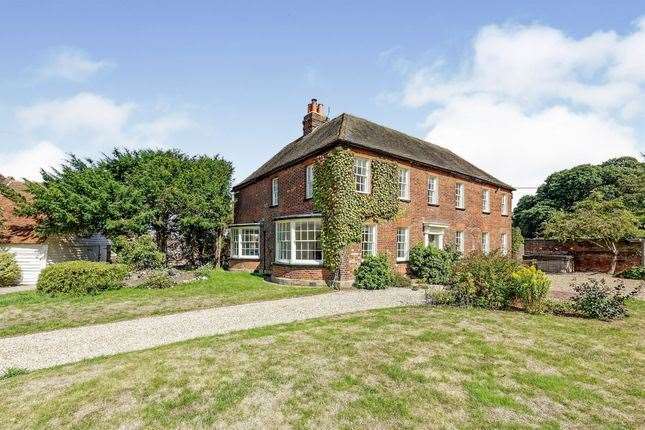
<point x="8" y="290"/>
<point x="46" y="349"/>
<point x="561" y="283"/>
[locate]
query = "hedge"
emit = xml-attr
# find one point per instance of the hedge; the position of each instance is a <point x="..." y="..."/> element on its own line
<point x="81" y="277"/>
<point x="9" y="270"/>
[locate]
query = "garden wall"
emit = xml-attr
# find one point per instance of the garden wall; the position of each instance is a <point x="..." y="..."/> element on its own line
<point x="587" y="257"/>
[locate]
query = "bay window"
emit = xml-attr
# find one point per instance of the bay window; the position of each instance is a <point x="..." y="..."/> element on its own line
<point x="245" y="242"/>
<point x="298" y="241"/>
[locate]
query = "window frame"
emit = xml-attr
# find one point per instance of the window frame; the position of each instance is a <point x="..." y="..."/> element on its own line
<point x="485" y="244"/>
<point x="367" y="176"/>
<point x="504" y="205"/>
<point x="406" y="244"/>
<point x="434" y="199"/>
<point x="292" y="241"/>
<point x="236" y="235"/>
<point x="406" y="186"/>
<point x="373" y="231"/>
<point x="460" y="244"/>
<point x="274" y="191"/>
<point x="309" y="181"/>
<point x="460" y="195"/>
<point x="504" y="243"/>
<point x="486" y="201"/>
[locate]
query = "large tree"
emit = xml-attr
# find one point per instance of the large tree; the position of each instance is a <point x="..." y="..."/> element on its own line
<point x="597" y="220"/>
<point x="166" y="193"/>
<point x="620" y="178"/>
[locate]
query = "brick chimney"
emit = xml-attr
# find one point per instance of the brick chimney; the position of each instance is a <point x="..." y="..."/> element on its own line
<point x="314" y="118"/>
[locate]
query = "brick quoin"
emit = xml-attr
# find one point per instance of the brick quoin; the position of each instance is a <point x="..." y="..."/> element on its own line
<point x="253" y="205"/>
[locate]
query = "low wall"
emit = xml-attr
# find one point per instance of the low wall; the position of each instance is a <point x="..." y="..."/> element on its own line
<point x="587" y="257"/>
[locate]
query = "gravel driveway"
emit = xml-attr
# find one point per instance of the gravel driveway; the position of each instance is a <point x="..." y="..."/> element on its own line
<point x="40" y="350"/>
<point x="561" y="282"/>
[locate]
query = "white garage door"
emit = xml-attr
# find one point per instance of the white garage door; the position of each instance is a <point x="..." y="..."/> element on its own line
<point x="31" y="259"/>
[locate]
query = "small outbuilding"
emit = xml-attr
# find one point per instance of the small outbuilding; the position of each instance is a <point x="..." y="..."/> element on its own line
<point x="33" y="252"/>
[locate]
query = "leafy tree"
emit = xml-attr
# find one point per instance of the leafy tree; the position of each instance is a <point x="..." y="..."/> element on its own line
<point x="131" y="193"/>
<point x="601" y="222"/>
<point x="206" y="206"/>
<point x="619" y="178"/>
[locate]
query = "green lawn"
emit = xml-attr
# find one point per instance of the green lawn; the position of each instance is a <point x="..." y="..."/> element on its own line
<point x="29" y="312"/>
<point x="397" y="368"/>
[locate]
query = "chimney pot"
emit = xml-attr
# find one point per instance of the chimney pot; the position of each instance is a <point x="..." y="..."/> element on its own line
<point x="315" y="117"/>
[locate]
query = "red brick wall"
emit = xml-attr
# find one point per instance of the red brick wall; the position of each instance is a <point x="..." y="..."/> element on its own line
<point x="252" y="205"/>
<point x="244" y="265"/>
<point x="588" y="257"/>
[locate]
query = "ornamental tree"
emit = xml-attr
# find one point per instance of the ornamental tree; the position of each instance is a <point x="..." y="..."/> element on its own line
<point x="601" y="222"/>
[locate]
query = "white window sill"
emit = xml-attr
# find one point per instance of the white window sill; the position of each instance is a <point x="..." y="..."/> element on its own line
<point x="245" y="257"/>
<point x="299" y="263"/>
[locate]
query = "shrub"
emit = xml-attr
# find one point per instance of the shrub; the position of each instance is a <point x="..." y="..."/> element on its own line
<point x="439" y="297"/>
<point x="400" y="281"/>
<point x="484" y="281"/>
<point x="595" y="299"/>
<point x="158" y="280"/>
<point x="81" y="277"/>
<point x="139" y="252"/>
<point x="374" y="273"/>
<point x="432" y="264"/>
<point x="530" y="286"/>
<point x="9" y="270"/>
<point x="204" y="271"/>
<point x="636" y="272"/>
<point x="560" y="307"/>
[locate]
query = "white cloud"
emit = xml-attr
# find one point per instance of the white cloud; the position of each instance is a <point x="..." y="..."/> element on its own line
<point x="71" y="64"/>
<point x="83" y="112"/>
<point x="157" y="132"/>
<point x="529" y="100"/>
<point x="26" y="163"/>
<point x="522" y="148"/>
<point x="536" y="64"/>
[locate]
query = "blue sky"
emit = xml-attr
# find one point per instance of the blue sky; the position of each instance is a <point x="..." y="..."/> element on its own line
<point x="520" y="88"/>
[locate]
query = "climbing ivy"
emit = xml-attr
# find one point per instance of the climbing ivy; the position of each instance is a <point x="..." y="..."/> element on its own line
<point x="343" y="210"/>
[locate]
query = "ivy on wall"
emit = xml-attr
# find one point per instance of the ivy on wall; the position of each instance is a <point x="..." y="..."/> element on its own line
<point x="343" y="210"/>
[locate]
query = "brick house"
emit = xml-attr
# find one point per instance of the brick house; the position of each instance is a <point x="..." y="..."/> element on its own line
<point x="446" y="200"/>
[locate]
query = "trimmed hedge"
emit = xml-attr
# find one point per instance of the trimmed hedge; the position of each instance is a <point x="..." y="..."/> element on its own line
<point x="81" y="277"/>
<point x="9" y="270"/>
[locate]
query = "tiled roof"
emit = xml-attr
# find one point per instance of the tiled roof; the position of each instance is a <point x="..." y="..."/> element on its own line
<point x="358" y="132"/>
<point x="16" y="230"/>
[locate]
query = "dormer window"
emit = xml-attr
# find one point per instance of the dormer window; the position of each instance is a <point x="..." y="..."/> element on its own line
<point x="362" y="175"/>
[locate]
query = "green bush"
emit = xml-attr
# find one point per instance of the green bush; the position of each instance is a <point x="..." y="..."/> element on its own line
<point x="139" y="252"/>
<point x="484" y="281"/>
<point x="9" y="270"/>
<point x="432" y="264"/>
<point x="560" y="307"/>
<point x="158" y="280"/>
<point x="595" y="299"/>
<point x="204" y="271"/>
<point x="636" y="272"/>
<point x="81" y="277"/>
<point x="530" y="286"/>
<point x="374" y="273"/>
<point x="400" y="281"/>
<point x="439" y="297"/>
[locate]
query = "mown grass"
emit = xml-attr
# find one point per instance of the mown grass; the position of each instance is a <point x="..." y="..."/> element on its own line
<point x="399" y="368"/>
<point x="29" y="312"/>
